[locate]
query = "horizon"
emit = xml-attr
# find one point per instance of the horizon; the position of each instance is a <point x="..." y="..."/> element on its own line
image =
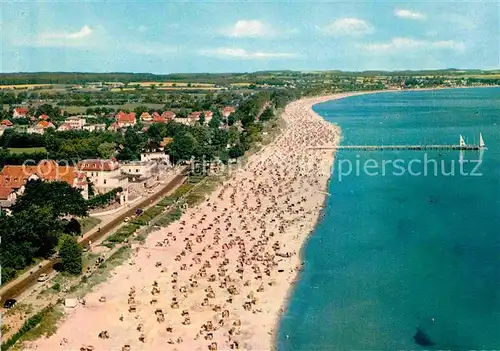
<point x="256" y="72"/>
<point x="193" y="37"/>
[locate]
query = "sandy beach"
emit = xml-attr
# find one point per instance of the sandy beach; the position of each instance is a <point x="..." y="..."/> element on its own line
<point x="218" y="278"/>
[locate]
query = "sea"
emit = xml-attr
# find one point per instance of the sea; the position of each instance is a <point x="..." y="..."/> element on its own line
<point x="406" y="256"/>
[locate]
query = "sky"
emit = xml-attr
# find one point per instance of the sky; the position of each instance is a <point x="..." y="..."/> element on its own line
<point x="246" y="36"/>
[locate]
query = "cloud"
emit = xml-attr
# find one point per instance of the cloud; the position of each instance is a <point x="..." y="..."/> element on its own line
<point x="249" y="28"/>
<point x="402" y="45"/>
<point x="246" y="55"/>
<point x="409" y="14"/>
<point x="82" y="33"/>
<point x="54" y="39"/>
<point x="347" y="26"/>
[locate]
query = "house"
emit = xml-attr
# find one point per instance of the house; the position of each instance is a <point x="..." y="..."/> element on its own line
<point x="64" y="127"/>
<point x="94" y="127"/>
<point x="75" y="122"/>
<point x="146" y="117"/>
<point x="43" y="117"/>
<point x="138" y="170"/>
<point x="182" y="120"/>
<point x="105" y="175"/>
<point x="2" y="129"/>
<point x="168" y="115"/>
<point x="160" y="119"/>
<point x="158" y="156"/>
<point x="40" y="127"/>
<point x="124" y="120"/>
<point x="208" y="116"/>
<point x="8" y="196"/>
<point x="6" y="123"/>
<point x="20" y="112"/>
<point x="227" y="111"/>
<point x="15" y="177"/>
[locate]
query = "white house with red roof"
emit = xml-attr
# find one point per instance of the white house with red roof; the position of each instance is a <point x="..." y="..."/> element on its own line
<point x="168" y="115"/>
<point x="43" y="117"/>
<point x="146" y="117"/>
<point x="40" y="127"/>
<point x="226" y="112"/>
<point x="208" y="116"/>
<point x="105" y="175"/>
<point x="124" y="120"/>
<point x="6" y="123"/>
<point x="20" y="112"/>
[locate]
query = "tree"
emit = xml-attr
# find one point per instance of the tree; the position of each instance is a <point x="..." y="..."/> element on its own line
<point x="73" y="227"/>
<point x="202" y="118"/>
<point x="106" y="150"/>
<point x="60" y="197"/>
<point x="267" y="115"/>
<point x="183" y="147"/>
<point x="71" y="255"/>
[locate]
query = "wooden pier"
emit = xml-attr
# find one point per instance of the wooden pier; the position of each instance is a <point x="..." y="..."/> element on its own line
<point x="397" y="147"/>
<point x="462" y="146"/>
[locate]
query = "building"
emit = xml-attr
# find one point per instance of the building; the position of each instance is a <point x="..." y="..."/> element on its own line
<point x="15" y="177"/>
<point x="125" y="120"/>
<point x="139" y="170"/>
<point x="6" y="123"/>
<point x="208" y="116"/>
<point x="168" y="115"/>
<point x="40" y="127"/>
<point x="94" y="127"/>
<point x="105" y="175"/>
<point x="43" y="117"/>
<point x="76" y="122"/>
<point x="146" y="117"/>
<point x="226" y="112"/>
<point x="64" y="127"/>
<point x="20" y="112"/>
<point x="157" y="156"/>
<point x="8" y="196"/>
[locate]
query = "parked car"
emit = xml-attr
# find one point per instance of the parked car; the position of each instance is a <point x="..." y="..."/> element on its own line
<point x="127" y="219"/>
<point x="138" y="212"/>
<point x="43" y="277"/>
<point x="9" y="303"/>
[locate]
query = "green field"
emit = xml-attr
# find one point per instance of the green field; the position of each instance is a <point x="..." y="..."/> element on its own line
<point x="26" y="150"/>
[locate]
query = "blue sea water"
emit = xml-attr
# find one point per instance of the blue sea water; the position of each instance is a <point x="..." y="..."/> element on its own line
<point x="394" y="253"/>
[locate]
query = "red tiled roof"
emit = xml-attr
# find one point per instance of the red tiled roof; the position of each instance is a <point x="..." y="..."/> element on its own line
<point x="168" y="114"/>
<point x="145" y="116"/>
<point x="44" y="125"/>
<point x="97" y="165"/>
<point x="5" y="191"/>
<point x="48" y="170"/>
<point x="208" y="114"/>
<point x="7" y="123"/>
<point x="44" y="117"/>
<point x="229" y="109"/>
<point x="156" y="114"/>
<point x="21" y="110"/>
<point x="159" y="119"/>
<point x="123" y="117"/>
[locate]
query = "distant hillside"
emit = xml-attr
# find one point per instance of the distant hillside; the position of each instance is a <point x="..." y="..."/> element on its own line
<point x="216" y="78"/>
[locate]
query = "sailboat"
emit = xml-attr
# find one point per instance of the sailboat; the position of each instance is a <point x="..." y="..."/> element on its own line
<point x="462" y="141"/>
<point x="482" y="145"/>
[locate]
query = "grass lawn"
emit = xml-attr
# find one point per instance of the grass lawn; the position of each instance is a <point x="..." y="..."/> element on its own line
<point x="88" y="223"/>
<point x="26" y="150"/>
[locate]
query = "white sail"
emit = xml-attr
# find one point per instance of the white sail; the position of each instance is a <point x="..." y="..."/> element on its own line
<point x="481" y="141"/>
<point x="462" y="141"/>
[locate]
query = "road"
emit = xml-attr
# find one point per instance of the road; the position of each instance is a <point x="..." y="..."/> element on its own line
<point x="27" y="280"/>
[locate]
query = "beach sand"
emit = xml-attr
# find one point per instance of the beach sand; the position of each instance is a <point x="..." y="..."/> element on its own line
<point x="218" y="278"/>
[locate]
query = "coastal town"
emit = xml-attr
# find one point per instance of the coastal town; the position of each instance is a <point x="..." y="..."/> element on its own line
<point x="209" y="277"/>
